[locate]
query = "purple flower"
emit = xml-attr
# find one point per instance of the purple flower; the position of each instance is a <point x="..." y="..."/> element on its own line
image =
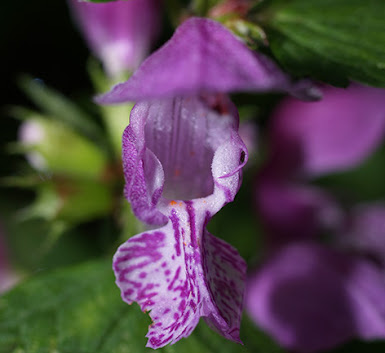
<point x="182" y="159"/>
<point x="120" y="32"/>
<point x="334" y="134"/>
<point x="311" y="297"/>
<point x="310" y="140"/>
<point x="291" y="211"/>
<point x="182" y="162"/>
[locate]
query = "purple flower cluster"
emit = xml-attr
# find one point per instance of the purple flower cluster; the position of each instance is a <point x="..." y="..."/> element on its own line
<point x="310" y="295"/>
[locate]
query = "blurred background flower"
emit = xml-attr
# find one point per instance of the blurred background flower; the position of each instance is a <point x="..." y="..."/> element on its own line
<point x="119" y="33"/>
<point x="319" y="284"/>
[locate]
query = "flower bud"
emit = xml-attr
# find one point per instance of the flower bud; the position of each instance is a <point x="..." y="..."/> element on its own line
<point x="53" y="147"/>
<point x="120" y="32"/>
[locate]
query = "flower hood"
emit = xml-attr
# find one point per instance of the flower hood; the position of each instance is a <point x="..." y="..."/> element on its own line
<point x="204" y="57"/>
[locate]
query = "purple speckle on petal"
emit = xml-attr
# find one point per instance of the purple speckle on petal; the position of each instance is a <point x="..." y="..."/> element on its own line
<point x="174" y="279"/>
<point x="175" y="225"/>
<point x="191" y="215"/>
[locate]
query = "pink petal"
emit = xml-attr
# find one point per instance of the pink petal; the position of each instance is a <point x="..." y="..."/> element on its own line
<point x="331" y="135"/>
<point x="119" y="32"/>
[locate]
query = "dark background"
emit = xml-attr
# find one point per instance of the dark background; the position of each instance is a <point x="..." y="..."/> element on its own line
<point x="37" y="38"/>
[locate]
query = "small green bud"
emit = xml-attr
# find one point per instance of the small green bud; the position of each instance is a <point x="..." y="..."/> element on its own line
<point x="54" y="147"/>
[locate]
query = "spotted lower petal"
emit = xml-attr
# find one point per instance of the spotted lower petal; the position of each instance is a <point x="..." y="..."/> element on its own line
<point x="225" y="279"/>
<point x="179" y="273"/>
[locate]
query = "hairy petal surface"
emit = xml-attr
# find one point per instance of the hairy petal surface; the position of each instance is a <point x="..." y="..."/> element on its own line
<point x="331" y="135"/>
<point x="119" y="32"/>
<point x="310" y="298"/>
<point x="144" y="175"/>
<point x="204" y="57"/>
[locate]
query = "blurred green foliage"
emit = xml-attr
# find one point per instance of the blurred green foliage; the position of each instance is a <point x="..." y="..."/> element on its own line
<point x="79" y="310"/>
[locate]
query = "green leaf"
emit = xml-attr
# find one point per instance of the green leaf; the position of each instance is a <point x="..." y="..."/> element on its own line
<point x="331" y="40"/>
<point x="79" y="310"/>
<point x="34" y="244"/>
<point x="73" y="310"/>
